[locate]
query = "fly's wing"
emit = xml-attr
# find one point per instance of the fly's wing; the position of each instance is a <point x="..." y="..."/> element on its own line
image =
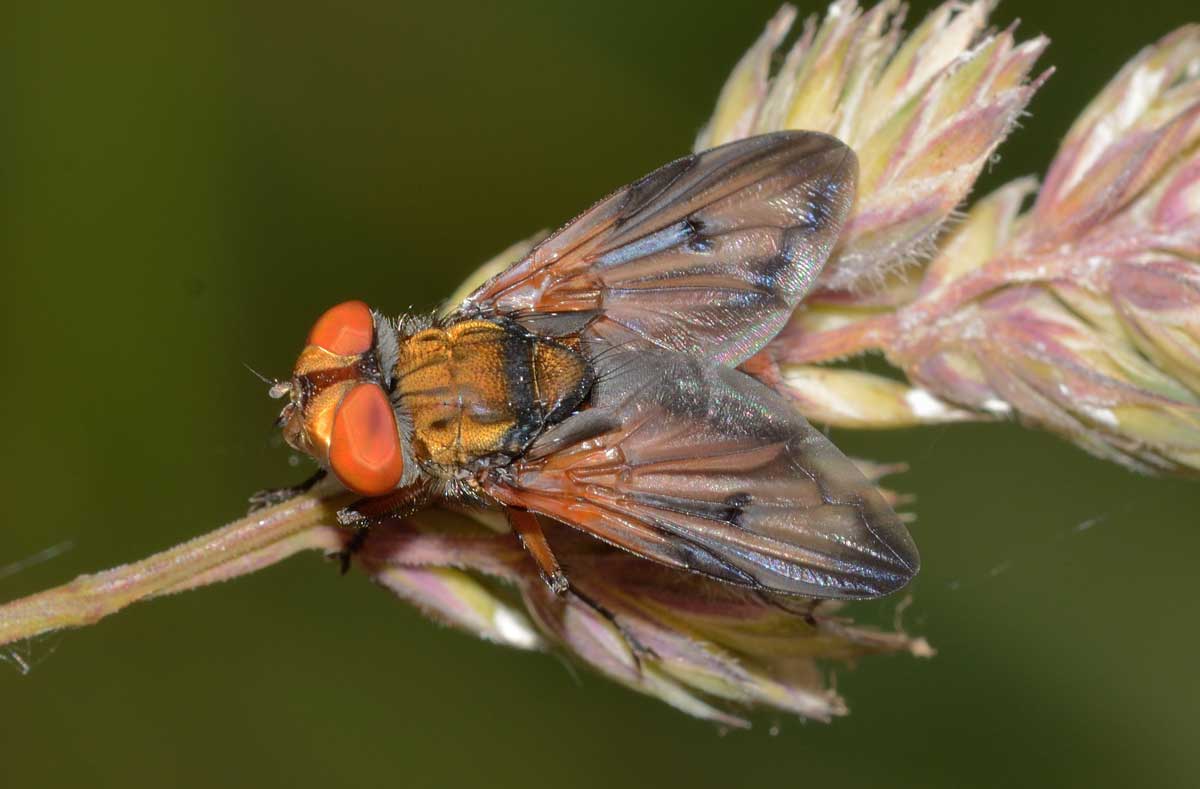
<point x="707" y="255"/>
<point x="701" y="467"/>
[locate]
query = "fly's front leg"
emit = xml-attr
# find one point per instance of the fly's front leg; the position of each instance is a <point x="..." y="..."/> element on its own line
<point x="268" y="498"/>
<point x="365" y="513"/>
<point x="526" y="525"/>
<point x="397" y="504"/>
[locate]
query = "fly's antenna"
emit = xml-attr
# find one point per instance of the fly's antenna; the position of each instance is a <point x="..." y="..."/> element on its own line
<point x="272" y="382"/>
<point x="279" y="389"/>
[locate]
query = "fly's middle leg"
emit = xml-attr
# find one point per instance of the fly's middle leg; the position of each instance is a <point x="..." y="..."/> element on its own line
<point x="526" y="525"/>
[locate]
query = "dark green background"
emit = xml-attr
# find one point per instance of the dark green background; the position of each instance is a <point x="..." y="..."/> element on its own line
<point x="186" y="186"/>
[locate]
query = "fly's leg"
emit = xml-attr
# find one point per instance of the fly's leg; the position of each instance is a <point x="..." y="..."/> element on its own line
<point x="346" y="555"/>
<point x="368" y="512"/>
<point x="268" y="498"/>
<point x="526" y="525"/>
<point x="365" y="513"/>
<point x="636" y="648"/>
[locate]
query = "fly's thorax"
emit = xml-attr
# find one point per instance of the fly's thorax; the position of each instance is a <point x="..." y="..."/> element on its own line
<point x="479" y="391"/>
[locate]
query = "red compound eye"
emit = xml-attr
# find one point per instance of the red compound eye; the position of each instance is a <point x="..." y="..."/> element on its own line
<point x="364" y="446"/>
<point x="345" y="330"/>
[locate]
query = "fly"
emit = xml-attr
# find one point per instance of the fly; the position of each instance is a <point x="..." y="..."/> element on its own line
<point x="596" y="382"/>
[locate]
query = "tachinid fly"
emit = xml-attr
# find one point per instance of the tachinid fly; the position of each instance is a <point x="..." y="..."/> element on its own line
<point x="596" y="382"/>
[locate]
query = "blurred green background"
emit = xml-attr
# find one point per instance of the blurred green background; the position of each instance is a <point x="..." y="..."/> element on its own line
<point x="187" y="185"/>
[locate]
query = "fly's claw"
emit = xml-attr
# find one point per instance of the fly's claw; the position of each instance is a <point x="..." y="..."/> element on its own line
<point x="352" y="518"/>
<point x="557" y="582"/>
<point x="269" y="498"/>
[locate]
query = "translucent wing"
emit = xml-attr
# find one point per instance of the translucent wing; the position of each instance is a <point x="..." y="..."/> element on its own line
<point x="702" y="467"/>
<point x="707" y="255"/>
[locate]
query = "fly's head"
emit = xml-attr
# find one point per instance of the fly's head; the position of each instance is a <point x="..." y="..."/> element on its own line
<point x="339" y="408"/>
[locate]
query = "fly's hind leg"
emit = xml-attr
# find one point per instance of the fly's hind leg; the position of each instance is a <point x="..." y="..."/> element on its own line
<point x="526" y="525"/>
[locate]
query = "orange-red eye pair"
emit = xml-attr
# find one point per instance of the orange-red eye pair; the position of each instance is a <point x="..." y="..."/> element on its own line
<point x="364" y="444"/>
